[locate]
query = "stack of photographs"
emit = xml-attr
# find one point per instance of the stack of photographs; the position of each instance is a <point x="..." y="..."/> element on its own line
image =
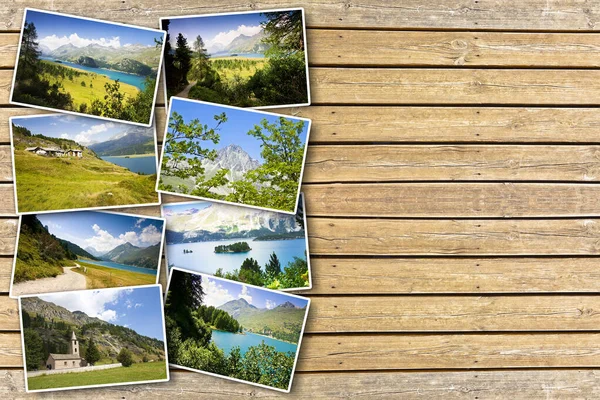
<point x="233" y="228"/>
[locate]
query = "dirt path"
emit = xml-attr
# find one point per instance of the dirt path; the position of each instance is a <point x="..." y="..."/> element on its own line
<point x="185" y="92"/>
<point x="69" y="280"/>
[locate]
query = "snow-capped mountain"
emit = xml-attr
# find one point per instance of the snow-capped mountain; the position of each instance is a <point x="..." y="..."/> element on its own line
<point x="233" y="158"/>
<point x="222" y="221"/>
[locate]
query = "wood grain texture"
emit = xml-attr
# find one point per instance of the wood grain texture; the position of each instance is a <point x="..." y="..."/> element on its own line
<point x="570" y="15"/>
<point x="428" y="314"/>
<point x="372" y="124"/>
<point x="452" y="86"/>
<point x="526" y="384"/>
<point x="343" y="276"/>
<point x="451" y="163"/>
<point x="426" y="49"/>
<point x="456" y="200"/>
<point x="11" y="354"/>
<point x="436" y="351"/>
<point x="328" y="236"/>
<point x="6" y="264"/>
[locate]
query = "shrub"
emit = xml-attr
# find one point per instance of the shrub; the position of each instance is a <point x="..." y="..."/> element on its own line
<point x="125" y="357"/>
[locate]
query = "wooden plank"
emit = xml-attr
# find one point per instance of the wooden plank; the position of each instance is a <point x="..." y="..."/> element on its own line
<point x="425" y="49"/>
<point x="456" y="49"/>
<point x="411" y="14"/>
<point x="8" y="236"/>
<point x="428" y="314"/>
<point x="453" y="314"/>
<point x="459" y="385"/>
<point x="421" y="124"/>
<point x="329" y="236"/>
<point x="437" y="86"/>
<point x="384" y="163"/>
<point x="6" y="264"/>
<point x="420" y="351"/>
<point x="342" y="276"/>
<point x="456" y="200"/>
<point x="5" y="164"/>
<point x="454" y="86"/>
<point x="10" y="351"/>
<point x="435" y="351"/>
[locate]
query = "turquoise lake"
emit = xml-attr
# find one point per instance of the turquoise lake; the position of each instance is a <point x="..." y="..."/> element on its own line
<point x="114" y="265"/>
<point x="247" y="55"/>
<point x="139" y="165"/>
<point x="204" y="259"/>
<point x="135" y="80"/>
<point x="227" y="341"/>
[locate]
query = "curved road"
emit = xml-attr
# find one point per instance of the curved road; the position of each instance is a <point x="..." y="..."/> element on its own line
<point x="185" y="92"/>
<point x="69" y="280"/>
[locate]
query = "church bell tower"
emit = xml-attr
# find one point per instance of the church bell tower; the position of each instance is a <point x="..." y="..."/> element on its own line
<point x="74" y="345"/>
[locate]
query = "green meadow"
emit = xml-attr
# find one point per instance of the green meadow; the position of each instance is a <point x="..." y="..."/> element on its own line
<point x="48" y="183"/>
<point x="135" y="373"/>
<point x="101" y="277"/>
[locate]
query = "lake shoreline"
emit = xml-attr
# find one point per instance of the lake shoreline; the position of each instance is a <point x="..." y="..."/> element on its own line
<point x="274" y="338"/>
<point x="131" y="156"/>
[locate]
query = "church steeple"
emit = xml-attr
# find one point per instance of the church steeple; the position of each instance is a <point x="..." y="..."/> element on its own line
<point x="74" y="345"/>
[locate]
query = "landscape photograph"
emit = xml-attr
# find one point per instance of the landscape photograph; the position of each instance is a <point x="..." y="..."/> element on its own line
<point x="86" y="66"/>
<point x="233" y="155"/>
<point x="251" y="59"/>
<point x="258" y="247"/>
<point x="93" y="338"/>
<point x="80" y="250"/>
<point x="64" y="162"/>
<point x="233" y="330"/>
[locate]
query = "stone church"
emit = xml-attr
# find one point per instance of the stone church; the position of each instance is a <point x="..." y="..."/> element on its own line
<point x="67" y="361"/>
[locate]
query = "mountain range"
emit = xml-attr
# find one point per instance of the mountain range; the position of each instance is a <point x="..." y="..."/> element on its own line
<point x="283" y="321"/>
<point x="231" y="157"/>
<point x="134" y="142"/>
<point x="128" y="254"/>
<point x="52" y="322"/>
<point x="222" y="221"/>
<point x="242" y="44"/>
<point x="137" y="59"/>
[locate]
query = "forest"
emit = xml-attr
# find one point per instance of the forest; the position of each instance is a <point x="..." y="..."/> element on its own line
<point x="47" y="84"/>
<point x="294" y="275"/>
<point x="189" y="340"/>
<point x="274" y="184"/>
<point x="280" y="79"/>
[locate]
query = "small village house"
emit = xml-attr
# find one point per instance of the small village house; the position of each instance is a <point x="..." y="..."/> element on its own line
<point x="53" y="152"/>
<point x="67" y="361"/>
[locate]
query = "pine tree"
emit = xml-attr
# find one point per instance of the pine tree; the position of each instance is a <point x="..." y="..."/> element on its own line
<point x="92" y="354"/>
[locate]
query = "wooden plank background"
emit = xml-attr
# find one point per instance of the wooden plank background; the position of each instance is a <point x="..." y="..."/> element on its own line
<point x="452" y="194"/>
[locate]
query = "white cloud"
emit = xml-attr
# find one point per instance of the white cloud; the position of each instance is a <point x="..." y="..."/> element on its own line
<point x="104" y="241"/>
<point x="269" y="304"/>
<point x="54" y="42"/>
<point x="138" y="223"/>
<point x="138" y="305"/>
<point x="245" y="294"/>
<point x="85" y="137"/>
<point x="222" y="39"/>
<point x="64" y="136"/>
<point x="128" y="304"/>
<point x="97" y="304"/>
<point x="52" y="123"/>
<point x="215" y="294"/>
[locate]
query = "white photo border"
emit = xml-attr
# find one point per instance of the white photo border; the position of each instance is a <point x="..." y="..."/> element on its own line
<point x="158" y="175"/>
<point x="158" y="268"/>
<point x="298" y="289"/>
<point x="298" y="347"/>
<point x="158" y="72"/>
<point x="15" y="178"/>
<point x="167" y="379"/>
<point x="251" y="12"/>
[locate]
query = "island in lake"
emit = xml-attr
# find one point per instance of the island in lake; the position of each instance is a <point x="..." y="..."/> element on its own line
<point x="237" y="247"/>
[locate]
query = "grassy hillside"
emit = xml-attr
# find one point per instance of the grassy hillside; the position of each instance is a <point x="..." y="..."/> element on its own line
<point x="94" y="86"/>
<point x="136" y="373"/>
<point x="101" y="277"/>
<point x="46" y="183"/>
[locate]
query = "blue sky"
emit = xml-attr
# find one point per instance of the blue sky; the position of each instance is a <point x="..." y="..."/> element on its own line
<point x="135" y="308"/>
<point x="57" y="30"/>
<point x="83" y="130"/>
<point x="216" y="31"/>
<point x="169" y="209"/>
<point x="235" y="130"/>
<point x="218" y="292"/>
<point x="103" y="231"/>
